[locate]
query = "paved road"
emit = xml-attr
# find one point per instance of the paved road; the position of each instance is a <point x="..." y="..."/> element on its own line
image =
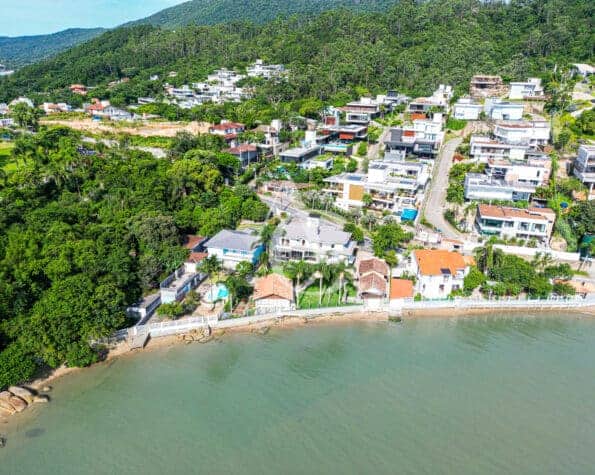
<point x="436" y="195"/>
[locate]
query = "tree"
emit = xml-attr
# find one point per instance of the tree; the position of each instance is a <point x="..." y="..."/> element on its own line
<point x="172" y="310"/>
<point x="324" y="273"/>
<point x="473" y="280"/>
<point x="297" y="271"/>
<point x="25" y="116"/>
<point x="387" y="237"/>
<point x="238" y="288"/>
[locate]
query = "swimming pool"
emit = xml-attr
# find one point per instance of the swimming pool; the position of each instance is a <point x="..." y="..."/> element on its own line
<point x="216" y="292"/>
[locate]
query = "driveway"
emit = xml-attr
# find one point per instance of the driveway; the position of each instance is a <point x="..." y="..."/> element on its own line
<point x="436" y="196"/>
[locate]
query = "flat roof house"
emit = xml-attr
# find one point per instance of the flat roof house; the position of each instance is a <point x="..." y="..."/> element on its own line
<point x="438" y="272"/>
<point x="497" y="109"/>
<point x="530" y="89"/>
<point x="273" y="293"/>
<point x="584" y="167"/>
<point x="531" y="133"/>
<point x="483" y="148"/>
<point x="482" y="187"/>
<point x="312" y="241"/>
<point x="467" y="109"/>
<point x="507" y="223"/>
<point x="233" y="247"/>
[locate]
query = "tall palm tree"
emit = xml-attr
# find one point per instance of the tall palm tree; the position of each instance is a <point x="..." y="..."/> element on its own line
<point x="297" y="271"/>
<point x="324" y="273"/>
<point x="211" y="266"/>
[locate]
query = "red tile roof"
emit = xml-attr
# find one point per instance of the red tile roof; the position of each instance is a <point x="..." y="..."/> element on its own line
<point x="373" y="284"/>
<point x="401" y="289"/>
<point x="242" y="148"/>
<point x="191" y="241"/>
<point x="273" y="286"/>
<point x="373" y="265"/>
<point x="508" y="212"/>
<point x="432" y="261"/>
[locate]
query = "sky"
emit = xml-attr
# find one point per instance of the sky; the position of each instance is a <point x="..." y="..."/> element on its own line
<point x="37" y="17"/>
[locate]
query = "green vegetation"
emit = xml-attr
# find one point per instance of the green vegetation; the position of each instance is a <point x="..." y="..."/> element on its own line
<point x="82" y="236"/>
<point x="510" y="275"/>
<point x="331" y="297"/>
<point x="22" y="50"/>
<point x="455" y="124"/>
<point x="388" y="237"/>
<point x="210" y="12"/>
<point x="456" y="180"/>
<point x="331" y="57"/>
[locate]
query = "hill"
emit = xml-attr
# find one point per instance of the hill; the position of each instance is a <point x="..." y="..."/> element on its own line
<point x="19" y="51"/>
<point x="413" y="46"/>
<point x="210" y="12"/>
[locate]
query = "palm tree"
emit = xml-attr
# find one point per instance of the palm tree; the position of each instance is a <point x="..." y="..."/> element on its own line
<point x="211" y="266"/>
<point x="297" y="271"/>
<point x="324" y="273"/>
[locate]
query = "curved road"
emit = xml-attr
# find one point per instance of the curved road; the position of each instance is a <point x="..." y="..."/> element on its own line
<point x="436" y="196"/>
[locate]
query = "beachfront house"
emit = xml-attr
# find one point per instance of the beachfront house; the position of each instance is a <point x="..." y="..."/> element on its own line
<point x="177" y="285"/>
<point x="273" y="293"/>
<point x="232" y="247"/>
<point x="372" y="279"/>
<point x="507" y="223"/>
<point x="438" y="272"/>
<point x="313" y="241"/>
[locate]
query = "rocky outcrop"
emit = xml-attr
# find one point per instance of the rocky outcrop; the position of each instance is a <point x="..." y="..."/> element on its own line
<point x="17" y="399"/>
<point x="202" y="335"/>
<point x="23" y="393"/>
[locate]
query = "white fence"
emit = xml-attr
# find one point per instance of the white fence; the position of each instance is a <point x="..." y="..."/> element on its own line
<point x="177" y="327"/>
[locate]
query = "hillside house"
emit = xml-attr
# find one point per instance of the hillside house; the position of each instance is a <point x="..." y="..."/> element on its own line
<point x="483" y="86"/>
<point x="507" y="223"/>
<point x="530" y="89"/>
<point x="584" y="167"/>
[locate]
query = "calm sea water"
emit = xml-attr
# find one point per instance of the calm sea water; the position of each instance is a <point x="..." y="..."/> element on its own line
<point x="486" y="395"/>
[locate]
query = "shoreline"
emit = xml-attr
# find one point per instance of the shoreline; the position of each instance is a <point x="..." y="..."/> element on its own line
<point x="122" y="350"/>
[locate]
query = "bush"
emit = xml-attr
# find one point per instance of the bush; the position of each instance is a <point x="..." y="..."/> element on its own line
<point x="474" y="279"/>
<point x="417" y="297"/>
<point x="172" y="310"/>
<point x="80" y="355"/>
<point x="16" y="365"/>
<point x="455" y="124"/>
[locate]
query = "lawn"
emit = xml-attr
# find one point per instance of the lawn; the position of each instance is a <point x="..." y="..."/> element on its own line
<point x="330" y="296"/>
<point x="5" y="161"/>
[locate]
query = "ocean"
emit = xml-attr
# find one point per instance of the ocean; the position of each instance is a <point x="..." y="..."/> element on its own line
<point x="483" y="395"/>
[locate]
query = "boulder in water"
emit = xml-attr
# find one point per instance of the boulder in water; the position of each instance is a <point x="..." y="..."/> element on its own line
<point x="19" y="404"/>
<point x="46" y="389"/>
<point x="6" y="407"/>
<point x="41" y="398"/>
<point x="23" y="393"/>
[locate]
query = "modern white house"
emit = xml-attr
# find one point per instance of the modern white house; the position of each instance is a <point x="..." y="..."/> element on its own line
<point x="507" y="223"/>
<point x="497" y="109"/>
<point x="467" y="109"/>
<point x="323" y="162"/>
<point x="390" y="185"/>
<point x="273" y="293"/>
<point x="439" y="272"/>
<point x="482" y="149"/>
<point x="531" y="133"/>
<point x="481" y="187"/>
<point x="533" y="171"/>
<point x="145" y="308"/>
<point x="439" y="100"/>
<point x="422" y="138"/>
<point x="584" y="167"/>
<point x="267" y="71"/>
<point x="529" y="89"/>
<point x="233" y="247"/>
<point x="312" y="241"/>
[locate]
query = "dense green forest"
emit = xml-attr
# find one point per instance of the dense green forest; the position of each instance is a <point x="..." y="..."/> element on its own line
<point x="83" y="233"/>
<point x="413" y="47"/>
<point x="22" y="50"/>
<point x="210" y="12"/>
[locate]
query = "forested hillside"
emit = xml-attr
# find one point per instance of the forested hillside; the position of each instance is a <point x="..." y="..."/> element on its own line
<point x="209" y="12"/>
<point x="22" y="50"/>
<point x="84" y="233"/>
<point x="412" y="47"/>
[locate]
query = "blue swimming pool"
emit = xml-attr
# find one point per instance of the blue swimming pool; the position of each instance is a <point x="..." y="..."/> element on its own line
<point x="408" y="214"/>
<point x="216" y="292"/>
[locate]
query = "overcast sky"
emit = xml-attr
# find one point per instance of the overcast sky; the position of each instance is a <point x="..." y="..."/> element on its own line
<point x="35" y="17"/>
